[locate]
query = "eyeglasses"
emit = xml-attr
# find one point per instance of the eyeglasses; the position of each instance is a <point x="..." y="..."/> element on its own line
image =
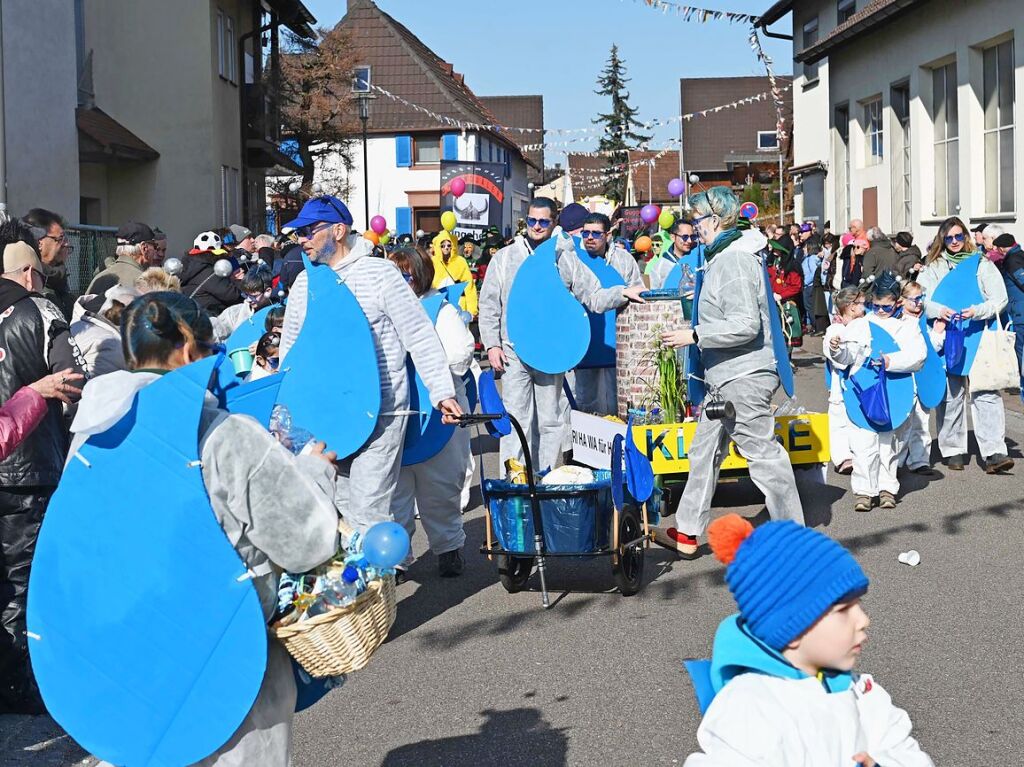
<point x="914" y="299"/>
<point x="949" y="239"/>
<point x="310" y="229"/>
<point x="701" y="218"/>
<point x="273" y="362"/>
<point x="543" y="223"/>
<point x="687" y="237"/>
<point x="882" y="308"/>
<point x="63" y="239"/>
<point x="589" y="234"/>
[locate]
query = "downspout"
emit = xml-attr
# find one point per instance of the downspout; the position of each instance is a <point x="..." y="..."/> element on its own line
<point x="3" y="125"/>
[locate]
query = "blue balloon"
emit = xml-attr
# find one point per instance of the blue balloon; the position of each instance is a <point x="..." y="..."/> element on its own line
<point x="385" y="545"/>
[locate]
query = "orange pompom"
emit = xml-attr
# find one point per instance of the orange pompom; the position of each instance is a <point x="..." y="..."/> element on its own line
<point x="726" y="534"/>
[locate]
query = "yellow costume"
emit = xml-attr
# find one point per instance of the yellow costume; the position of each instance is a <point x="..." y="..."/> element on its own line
<point x="455" y="270"/>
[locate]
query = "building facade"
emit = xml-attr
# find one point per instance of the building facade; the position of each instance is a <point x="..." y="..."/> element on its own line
<point x="905" y="111"/>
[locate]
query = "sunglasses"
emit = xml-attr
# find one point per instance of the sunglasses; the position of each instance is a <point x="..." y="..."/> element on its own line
<point x="310" y="229"/>
<point x="951" y="238"/>
<point x="543" y="223"/>
<point x="882" y="308"/>
<point x="407" y="276"/>
<point x="914" y="299"/>
<point x="687" y="237"/>
<point x="587" y="234"/>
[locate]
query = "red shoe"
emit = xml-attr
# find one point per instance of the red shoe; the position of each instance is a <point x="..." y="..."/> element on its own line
<point x="686" y="545"/>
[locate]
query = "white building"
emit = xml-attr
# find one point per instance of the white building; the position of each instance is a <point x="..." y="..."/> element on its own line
<point x="905" y="111"/>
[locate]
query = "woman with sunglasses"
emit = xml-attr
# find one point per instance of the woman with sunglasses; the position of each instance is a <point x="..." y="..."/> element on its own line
<point x="876" y="453"/>
<point x="953" y="246"/>
<point x="275" y="508"/>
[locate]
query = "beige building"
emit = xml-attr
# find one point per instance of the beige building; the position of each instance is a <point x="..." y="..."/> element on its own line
<point x="119" y="110"/>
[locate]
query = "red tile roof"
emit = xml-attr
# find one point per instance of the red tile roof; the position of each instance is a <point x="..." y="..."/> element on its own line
<point x="101" y="138"/>
<point x="867" y="18"/>
<point x="521" y="112"/>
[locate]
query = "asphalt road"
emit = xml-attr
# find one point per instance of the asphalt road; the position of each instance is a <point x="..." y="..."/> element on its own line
<point x="472" y="675"/>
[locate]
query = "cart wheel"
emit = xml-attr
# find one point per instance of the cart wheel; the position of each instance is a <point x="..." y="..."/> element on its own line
<point x="514" y="572"/>
<point x="629" y="572"/>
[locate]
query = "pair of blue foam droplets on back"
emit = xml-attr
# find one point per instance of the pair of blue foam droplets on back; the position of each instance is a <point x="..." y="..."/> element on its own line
<point x="958" y="290"/>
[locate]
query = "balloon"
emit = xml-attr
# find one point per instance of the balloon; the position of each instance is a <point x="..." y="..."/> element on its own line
<point x="649" y="213"/>
<point x="676" y="187"/>
<point x="448" y="220"/>
<point x="378" y="224"/>
<point x="385" y="237"/>
<point x="372" y="236"/>
<point x="458" y="187"/>
<point x="643" y="243"/>
<point x="173" y="265"/>
<point x="666" y="219"/>
<point x="223" y="268"/>
<point x="385" y="544"/>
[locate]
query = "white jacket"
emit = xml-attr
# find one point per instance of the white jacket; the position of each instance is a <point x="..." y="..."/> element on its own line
<point x="766" y="721"/>
<point x="856" y="344"/>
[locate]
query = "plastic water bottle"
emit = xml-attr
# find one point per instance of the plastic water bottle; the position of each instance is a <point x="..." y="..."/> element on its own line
<point x="347" y="588"/>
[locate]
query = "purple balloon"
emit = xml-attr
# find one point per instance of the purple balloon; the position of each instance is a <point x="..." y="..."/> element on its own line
<point x="649" y="213"/>
<point x="676" y="187"/>
<point x="378" y="224"/>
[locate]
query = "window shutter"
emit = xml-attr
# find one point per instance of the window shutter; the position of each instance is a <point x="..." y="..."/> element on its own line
<point x="403" y="151"/>
<point x="403" y="221"/>
<point x="508" y="164"/>
<point x="450" y="146"/>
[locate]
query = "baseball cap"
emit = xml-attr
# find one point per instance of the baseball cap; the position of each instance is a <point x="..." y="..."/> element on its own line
<point x="20" y="255"/>
<point x="327" y="209"/>
<point x="133" y="233"/>
<point x="979" y="228"/>
<point x="571" y="217"/>
<point x="207" y="242"/>
<point x="1005" y="240"/>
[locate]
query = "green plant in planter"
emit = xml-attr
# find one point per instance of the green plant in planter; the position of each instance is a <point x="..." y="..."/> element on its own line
<point x="668" y="393"/>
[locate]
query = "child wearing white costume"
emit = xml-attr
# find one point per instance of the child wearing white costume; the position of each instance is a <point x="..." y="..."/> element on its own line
<point x="914" y="437"/>
<point x="849" y="306"/>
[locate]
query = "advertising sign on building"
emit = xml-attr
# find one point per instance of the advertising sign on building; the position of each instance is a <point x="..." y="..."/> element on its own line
<point x="482" y="204"/>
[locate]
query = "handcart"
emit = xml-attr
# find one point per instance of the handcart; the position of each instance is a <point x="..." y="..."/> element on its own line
<point x="527" y="523"/>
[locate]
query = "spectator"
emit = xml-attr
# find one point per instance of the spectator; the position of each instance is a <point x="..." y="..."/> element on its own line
<point x="856" y="229"/>
<point x="243" y="237"/>
<point x="979" y="235"/>
<point x="135" y="253"/>
<point x="988" y="238"/>
<point x="22" y="413"/>
<point x="159" y="247"/>
<point x="257" y="287"/>
<point x="1012" y="267"/>
<point x="200" y="278"/>
<point x="35" y="341"/>
<point x="157" y="280"/>
<point x="97" y="329"/>
<point x="908" y="256"/>
<point x="54" y="248"/>
<point x="880" y="256"/>
<point x="852" y="263"/>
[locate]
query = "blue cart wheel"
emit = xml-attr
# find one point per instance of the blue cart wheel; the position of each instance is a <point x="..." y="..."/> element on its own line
<point x="514" y="572"/>
<point x="629" y="570"/>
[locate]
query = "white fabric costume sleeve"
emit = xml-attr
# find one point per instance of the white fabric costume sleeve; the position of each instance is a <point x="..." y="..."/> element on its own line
<point x="491" y="301"/>
<point x="229" y="320"/>
<point x="752" y="739"/>
<point x="582" y="282"/>
<point x="993" y="288"/>
<point x="739" y="296"/>
<point x="912" y="351"/>
<point x="456" y="339"/>
<point x="294" y="314"/>
<point x="887" y="727"/>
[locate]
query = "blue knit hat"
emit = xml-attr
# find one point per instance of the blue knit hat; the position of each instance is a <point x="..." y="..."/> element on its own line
<point x="783" y="576"/>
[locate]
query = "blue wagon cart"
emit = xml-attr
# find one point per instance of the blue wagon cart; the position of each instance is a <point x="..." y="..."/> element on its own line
<point x="527" y="523"/>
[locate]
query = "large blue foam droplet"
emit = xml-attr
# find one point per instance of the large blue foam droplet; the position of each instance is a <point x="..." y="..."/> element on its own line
<point x="900" y="386"/>
<point x="959" y="290"/>
<point x="249" y="332"/>
<point x="425" y="435"/>
<point x="931" y="378"/>
<point x="549" y="329"/>
<point x="601" y="351"/>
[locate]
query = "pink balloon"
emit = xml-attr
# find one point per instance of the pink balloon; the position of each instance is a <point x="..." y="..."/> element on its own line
<point x="458" y="187"/>
<point x="649" y="213"/>
<point x="378" y="224"/>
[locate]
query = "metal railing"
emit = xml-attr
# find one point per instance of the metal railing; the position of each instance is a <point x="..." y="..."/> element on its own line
<point x="91" y="247"/>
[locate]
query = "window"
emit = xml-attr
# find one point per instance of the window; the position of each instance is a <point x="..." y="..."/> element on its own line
<point x="767" y="140"/>
<point x="810" y="37"/>
<point x="361" y="80"/>
<point x="844" y="10"/>
<point x="227" y="50"/>
<point x="229" y="195"/>
<point x="899" y="141"/>
<point x="842" y="152"/>
<point x="873" y="153"/>
<point x="946" y="121"/>
<point x="998" y="97"/>
<point x="426" y="151"/>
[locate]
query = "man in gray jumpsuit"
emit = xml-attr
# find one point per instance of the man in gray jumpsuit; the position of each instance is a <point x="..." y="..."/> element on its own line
<point x="529" y="395"/>
<point x="733" y="333"/>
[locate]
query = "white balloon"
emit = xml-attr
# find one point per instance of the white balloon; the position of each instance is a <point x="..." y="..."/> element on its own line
<point x="173" y="265"/>
<point x="294" y="187"/>
<point x="694" y="178"/>
<point x="223" y="268"/>
<point x="419" y="233"/>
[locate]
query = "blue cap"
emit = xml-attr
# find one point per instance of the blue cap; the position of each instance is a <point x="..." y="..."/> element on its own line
<point x="327" y="209"/>
<point x="572" y="216"/>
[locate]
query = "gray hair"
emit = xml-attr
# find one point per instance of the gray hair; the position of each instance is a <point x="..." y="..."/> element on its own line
<point x="264" y="241"/>
<point x="128" y="251"/>
<point x="719" y="201"/>
<point x="993" y="230"/>
<point x="877" y="235"/>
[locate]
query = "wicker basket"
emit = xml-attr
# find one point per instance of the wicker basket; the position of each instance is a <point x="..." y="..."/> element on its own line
<point x="343" y="640"/>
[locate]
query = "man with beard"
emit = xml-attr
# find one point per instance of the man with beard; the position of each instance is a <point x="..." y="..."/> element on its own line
<point x="54" y="248"/>
<point x="135" y="254"/>
<point x="400" y="327"/>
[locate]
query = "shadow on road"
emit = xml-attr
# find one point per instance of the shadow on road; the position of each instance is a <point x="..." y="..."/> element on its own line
<point x="517" y="738"/>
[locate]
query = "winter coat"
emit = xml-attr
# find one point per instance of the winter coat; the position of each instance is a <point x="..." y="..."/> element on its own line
<point x="1012" y="268"/>
<point x="198" y="281"/>
<point x="18" y="417"/>
<point x="577" y="277"/>
<point x="786" y="285"/>
<point x="766" y="712"/>
<point x="879" y="258"/>
<point x="990" y="282"/>
<point x="906" y="260"/>
<point x="99" y="341"/>
<point x="34" y="342"/>
<point x="454" y="271"/>
<point x="734" y="329"/>
<point x="850" y="268"/>
<point x="275" y="508"/>
<point x="122" y="272"/>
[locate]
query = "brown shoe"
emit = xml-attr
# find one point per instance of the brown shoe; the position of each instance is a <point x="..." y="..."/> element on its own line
<point x="998" y="463"/>
<point x="863" y="503"/>
<point x="886" y="500"/>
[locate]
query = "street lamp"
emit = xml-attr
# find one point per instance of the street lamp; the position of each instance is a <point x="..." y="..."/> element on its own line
<point x="364" y="117"/>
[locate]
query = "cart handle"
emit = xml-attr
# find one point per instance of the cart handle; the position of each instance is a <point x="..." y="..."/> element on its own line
<point x="468" y="419"/>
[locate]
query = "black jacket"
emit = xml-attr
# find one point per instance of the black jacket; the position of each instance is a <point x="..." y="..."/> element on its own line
<point x="213" y="293"/>
<point x="906" y="260"/>
<point x="34" y="342"/>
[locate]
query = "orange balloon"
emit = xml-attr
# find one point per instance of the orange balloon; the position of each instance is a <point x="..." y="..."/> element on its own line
<point x="643" y="244"/>
<point x="373" y="237"/>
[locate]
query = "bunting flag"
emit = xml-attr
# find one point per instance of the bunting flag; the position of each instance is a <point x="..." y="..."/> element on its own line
<point x="777" y="90"/>
<point x="699" y="15"/>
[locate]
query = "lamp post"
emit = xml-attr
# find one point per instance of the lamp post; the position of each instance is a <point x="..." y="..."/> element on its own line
<point x="364" y="117"/>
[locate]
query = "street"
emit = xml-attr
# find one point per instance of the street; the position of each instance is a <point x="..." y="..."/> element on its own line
<point x="472" y="675"/>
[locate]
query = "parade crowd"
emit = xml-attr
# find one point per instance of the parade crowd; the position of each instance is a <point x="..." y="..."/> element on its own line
<point x="70" y="367"/>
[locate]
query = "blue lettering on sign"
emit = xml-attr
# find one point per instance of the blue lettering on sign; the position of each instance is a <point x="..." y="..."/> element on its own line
<point x="681" y="444"/>
<point x="658" y="442"/>
<point x="778" y="436"/>
<point x="795" y="433"/>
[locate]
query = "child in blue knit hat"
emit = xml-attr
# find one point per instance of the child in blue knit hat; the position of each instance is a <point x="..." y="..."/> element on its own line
<point x="781" y="671"/>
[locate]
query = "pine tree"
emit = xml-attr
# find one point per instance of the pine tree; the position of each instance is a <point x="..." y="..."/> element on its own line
<point x="619" y="123"/>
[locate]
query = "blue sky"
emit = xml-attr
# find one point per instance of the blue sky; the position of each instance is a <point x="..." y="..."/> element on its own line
<point x="557" y="48"/>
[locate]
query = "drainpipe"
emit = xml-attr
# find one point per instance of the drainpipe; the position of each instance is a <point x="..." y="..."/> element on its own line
<point x="3" y="124"/>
